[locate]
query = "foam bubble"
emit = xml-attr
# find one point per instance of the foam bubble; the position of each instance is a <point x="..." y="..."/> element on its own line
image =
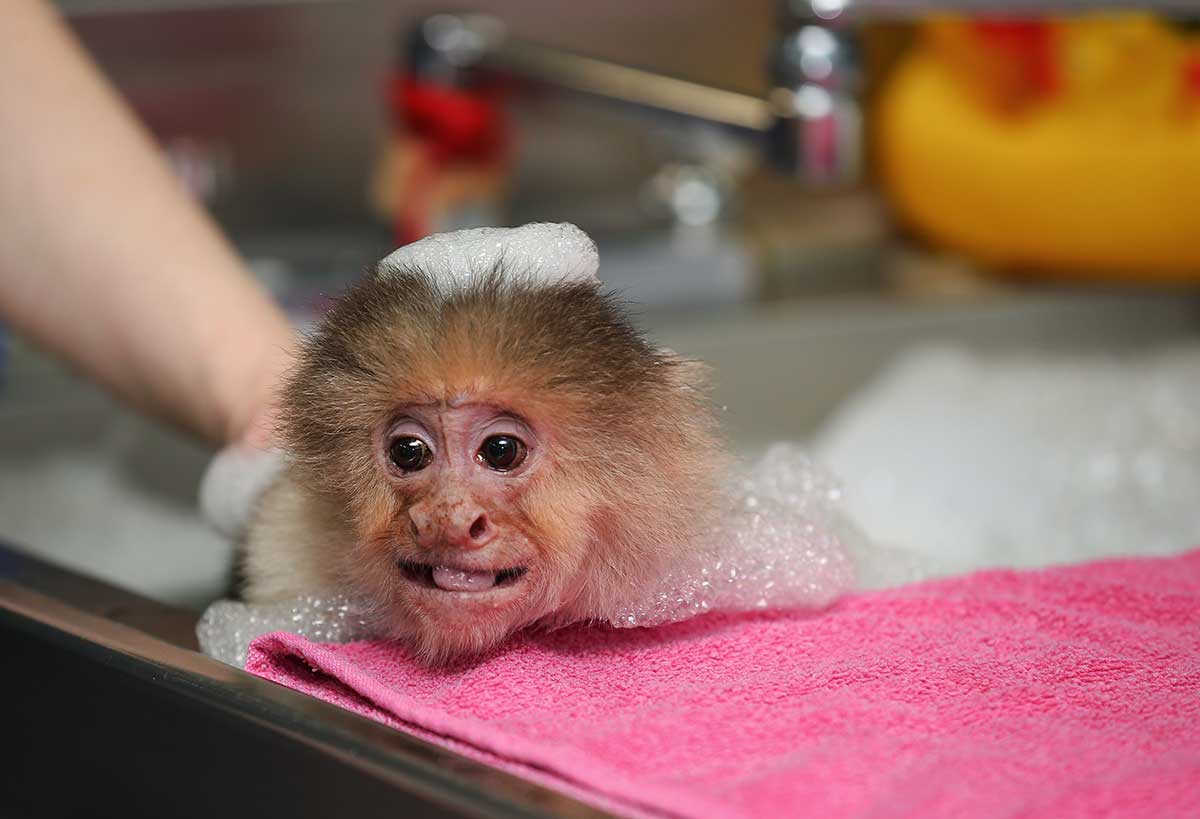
<point x="541" y="252"/>
<point x="228" y="627"/>
<point x="965" y="461"/>
<point x="781" y="545"/>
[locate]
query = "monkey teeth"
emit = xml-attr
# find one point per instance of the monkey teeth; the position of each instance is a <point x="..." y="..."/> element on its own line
<point x="449" y="578"/>
<point x="462" y="580"/>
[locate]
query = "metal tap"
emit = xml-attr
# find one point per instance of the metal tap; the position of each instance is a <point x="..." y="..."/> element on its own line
<point x="809" y="125"/>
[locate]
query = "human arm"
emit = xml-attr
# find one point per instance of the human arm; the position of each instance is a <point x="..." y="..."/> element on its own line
<point x="106" y="262"/>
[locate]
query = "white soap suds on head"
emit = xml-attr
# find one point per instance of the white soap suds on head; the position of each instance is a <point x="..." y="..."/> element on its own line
<point x="542" y="253"/>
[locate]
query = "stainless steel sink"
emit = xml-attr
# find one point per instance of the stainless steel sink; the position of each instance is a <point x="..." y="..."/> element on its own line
<point x="115" y="713"/>
<point x="92" y="486"/>
<point x="781" y="370"/>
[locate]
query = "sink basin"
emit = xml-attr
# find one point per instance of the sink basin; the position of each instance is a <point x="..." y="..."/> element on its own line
<point x="781" y="370"/>
<point x="94" y="487"/>
<point x="101" y="671"/>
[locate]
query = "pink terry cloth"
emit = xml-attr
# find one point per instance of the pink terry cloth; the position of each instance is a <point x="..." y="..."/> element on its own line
<point x="1072" y="692"/>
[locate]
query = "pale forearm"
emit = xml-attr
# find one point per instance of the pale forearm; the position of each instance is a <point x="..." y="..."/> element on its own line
<point x="105" y="261"/>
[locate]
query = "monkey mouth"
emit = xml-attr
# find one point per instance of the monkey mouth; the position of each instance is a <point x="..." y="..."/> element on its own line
<point x="455" y="579"/>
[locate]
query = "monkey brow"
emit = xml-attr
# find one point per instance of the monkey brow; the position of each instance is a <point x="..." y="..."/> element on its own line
<point x="464" y="400"/>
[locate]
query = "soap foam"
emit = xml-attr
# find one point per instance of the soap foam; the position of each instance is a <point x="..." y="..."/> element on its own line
<point x="782" y="544"/>
<point x="228" y="627"/>
<point x="541" y="253"/>
<point x="965" y="461"/>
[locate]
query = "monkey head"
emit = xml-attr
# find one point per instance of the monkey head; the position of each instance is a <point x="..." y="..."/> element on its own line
<point x="494" y="455"/>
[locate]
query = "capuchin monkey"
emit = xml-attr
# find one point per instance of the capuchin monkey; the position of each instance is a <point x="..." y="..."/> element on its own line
<point x="468" y="461"/>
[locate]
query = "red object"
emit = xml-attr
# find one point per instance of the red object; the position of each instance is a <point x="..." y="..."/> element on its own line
<point x="453" y="125"/>
<point x="459" y="124"/>
<point x="1191" y="75"/>
<point x="1030" y="44"/>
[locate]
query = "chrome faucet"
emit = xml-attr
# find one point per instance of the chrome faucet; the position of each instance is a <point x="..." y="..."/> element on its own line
<point x="809" y="125"/>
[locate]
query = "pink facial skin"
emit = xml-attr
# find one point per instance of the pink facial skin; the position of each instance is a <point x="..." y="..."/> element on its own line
<point x="467" y="559"/>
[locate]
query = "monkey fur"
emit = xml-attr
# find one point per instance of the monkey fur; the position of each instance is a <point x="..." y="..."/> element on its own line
<point x="620" y="460"/>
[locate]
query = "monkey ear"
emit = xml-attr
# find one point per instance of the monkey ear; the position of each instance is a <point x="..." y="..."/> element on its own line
<point x="541" y="253"/>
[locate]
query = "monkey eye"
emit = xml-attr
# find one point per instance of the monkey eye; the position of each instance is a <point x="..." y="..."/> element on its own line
<point x="409" y="454"/>
<point x="502" y="452"/>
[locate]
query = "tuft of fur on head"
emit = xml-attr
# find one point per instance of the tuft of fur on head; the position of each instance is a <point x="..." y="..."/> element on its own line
<point x="634" y="452"/>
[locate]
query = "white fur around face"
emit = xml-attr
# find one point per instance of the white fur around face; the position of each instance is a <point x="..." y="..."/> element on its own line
<point x="544" y="252"/>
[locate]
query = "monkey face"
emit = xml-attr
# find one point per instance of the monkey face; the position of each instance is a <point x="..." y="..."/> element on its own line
<point x="471" y="555"/>
<point x="490" y="457"/>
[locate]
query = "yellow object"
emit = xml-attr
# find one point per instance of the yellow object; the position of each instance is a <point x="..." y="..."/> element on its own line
<point x="1100" y="178"/>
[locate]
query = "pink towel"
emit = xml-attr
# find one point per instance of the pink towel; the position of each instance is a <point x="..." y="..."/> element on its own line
<point x="1062" y="693"/>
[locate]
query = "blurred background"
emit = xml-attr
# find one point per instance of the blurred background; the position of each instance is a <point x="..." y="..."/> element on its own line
<point x="806" y="194"/>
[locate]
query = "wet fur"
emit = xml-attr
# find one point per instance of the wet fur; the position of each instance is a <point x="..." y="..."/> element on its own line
<point x="634" y="450"/>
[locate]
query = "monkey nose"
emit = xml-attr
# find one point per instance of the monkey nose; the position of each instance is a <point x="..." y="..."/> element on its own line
<point x="462" y="526"/>
<point x="476" y="533"/>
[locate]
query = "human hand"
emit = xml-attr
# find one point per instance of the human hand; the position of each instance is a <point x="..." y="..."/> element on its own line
<point x="247" y="466"/>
